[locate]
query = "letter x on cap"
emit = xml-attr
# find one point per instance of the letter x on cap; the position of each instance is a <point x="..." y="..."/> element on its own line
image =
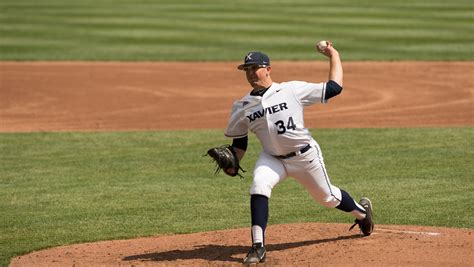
<point x="255" y="59"/>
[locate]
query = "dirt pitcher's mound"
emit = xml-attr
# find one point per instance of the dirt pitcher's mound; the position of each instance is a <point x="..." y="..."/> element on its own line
<point x="289" y="244"/>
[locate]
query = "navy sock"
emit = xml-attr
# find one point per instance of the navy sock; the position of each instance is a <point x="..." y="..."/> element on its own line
<point x="347" y="203"/>
<point x="259" y="211"/>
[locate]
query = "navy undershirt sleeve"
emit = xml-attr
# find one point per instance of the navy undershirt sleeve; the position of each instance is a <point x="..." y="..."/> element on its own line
<point x="241" y="143"/>
<point x="332" y="89"/>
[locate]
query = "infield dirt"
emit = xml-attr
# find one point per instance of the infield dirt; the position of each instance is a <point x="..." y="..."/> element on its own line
<point x="75" y="96"/>
<point x="154" y="96"/>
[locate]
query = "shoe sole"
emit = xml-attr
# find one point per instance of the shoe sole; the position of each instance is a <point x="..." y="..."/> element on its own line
<point x="254" y="262"/>
<point x="262" y="260"/>
<point x="366" y="202"/>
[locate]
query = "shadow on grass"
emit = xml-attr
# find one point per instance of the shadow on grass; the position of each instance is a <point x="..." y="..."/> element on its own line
<point x="225" y="253"/>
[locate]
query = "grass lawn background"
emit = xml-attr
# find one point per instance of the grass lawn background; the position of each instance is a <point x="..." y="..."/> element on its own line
<point x="208" y="30"/>
<point x="61" y="188"/>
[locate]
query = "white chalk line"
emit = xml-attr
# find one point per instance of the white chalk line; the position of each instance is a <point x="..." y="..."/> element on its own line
<point x="407" y="232"/>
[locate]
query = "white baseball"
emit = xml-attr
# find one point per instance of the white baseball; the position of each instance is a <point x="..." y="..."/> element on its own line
<point x="322" y="45"/>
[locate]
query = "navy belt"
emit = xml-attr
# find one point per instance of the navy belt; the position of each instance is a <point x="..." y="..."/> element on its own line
<point x="292" y="154"/>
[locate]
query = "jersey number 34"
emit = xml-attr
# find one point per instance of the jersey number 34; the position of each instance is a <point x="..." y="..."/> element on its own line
<point x="282" y="128"/>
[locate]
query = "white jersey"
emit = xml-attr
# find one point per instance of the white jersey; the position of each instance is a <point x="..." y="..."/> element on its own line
<point x="276" y="118"/>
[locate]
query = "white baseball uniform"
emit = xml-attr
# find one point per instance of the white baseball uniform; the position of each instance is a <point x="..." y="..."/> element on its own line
<point x="276" y="118"/>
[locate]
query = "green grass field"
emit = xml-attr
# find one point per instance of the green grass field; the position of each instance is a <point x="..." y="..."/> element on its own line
<point x="61" y="188"/>
<point x="225" y="30"/>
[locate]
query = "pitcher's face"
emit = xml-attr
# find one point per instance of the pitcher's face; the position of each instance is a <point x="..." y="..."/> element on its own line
<point x="258" y="76"/>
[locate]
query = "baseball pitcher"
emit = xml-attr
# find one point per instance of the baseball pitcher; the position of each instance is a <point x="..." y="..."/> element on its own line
<point x="274" y="113"/>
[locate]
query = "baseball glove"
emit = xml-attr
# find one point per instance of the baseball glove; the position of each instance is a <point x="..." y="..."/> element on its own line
<point x="225" y="159"/>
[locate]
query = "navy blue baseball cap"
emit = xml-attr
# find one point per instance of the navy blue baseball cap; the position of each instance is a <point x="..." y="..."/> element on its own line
<point x="255" y="59"/>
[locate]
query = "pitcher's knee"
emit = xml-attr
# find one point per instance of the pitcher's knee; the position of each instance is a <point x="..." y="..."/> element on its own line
<point x="261" y="189"/>
<point x="329" y="202"/>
